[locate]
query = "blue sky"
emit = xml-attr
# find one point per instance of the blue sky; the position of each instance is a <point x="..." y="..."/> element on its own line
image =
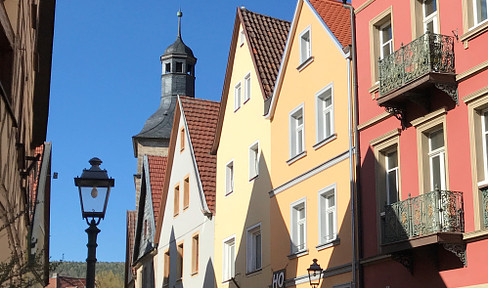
<point x="106" y="83"/>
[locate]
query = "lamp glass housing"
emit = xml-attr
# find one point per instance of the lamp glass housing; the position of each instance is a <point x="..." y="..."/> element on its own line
<point x="315" y="274"/>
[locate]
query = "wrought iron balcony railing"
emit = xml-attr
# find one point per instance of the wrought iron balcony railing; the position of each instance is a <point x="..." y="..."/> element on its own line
<point x="484" y="205"/>
<point x="428" y="53"/>
<point x="434" y="212"/>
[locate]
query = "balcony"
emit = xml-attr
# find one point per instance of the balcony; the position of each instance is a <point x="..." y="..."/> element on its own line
<point x="436" y="217"/>
<point x="410" y="73"/>
<point x="484" y="205"/>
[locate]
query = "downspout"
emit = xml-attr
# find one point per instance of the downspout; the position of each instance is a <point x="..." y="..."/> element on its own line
<point x="356" y="243"/>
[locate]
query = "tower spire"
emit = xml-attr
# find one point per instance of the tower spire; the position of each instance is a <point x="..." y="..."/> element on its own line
<point x="179" y="14"/>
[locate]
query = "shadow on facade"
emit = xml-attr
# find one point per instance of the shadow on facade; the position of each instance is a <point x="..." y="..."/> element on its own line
<point x="387" y="231"/>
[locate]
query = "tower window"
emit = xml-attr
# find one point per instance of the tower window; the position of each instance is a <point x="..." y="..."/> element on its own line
<point x="167" y="68"/>
<point x="179" y="67"/>
<point x="189" y="69"/>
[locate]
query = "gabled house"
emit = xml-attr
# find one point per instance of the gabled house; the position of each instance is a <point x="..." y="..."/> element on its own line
<point x="312" y="150"/>
<point x="185" y="227"/>
<point x="145" y="249"/>
<point x="242" y="145"/>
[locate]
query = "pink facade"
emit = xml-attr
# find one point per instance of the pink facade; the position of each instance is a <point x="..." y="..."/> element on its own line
<point x="440" y="146"/>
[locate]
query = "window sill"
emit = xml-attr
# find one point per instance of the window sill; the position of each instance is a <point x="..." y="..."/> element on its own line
<point x="253" y="177"/>
<point x="194" y="273"/>
<point x="247" y="100"/>
<point x="184" y="208"/>
<point x="475" y="235"/>
<point x="298" y="254"/>
<point x="473" y="33"/>
<point x="229" y="193"/>
<point x="237" y="109"/>
<point x="296" y="157"/>
<point x="305" y="63"/>
<point x="325" y="141"/>
<point x="332" y="243"/>
<point x="254" y="272"/>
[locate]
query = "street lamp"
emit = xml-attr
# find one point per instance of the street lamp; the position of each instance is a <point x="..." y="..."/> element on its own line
<point x="94" y="189"/>
<point x="314" y="274"/>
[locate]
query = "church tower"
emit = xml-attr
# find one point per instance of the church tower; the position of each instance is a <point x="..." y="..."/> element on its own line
<point x="177" y="78"/>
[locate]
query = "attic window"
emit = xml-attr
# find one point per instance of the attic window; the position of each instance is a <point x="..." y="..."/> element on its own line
<point x="167" y="68"/>
<point x="179" y="67"/>
<point x="242" y="37"/>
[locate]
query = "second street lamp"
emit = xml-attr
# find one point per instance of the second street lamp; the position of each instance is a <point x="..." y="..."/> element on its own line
<point x="94" y="190"/>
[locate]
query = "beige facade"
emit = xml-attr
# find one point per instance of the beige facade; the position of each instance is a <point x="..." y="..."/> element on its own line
<point x="25" y="72"/>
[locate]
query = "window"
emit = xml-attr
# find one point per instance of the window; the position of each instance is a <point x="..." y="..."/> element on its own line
<point x="186" y="192"/>
<point x="242" y="37"/>
<point x="237" y="97"/>
<point x="254" y="248"/>
<point x="179" y="67"/>
<point x="229" y="177"/>
<point x="176" y="199"/>
<point x="436" y="160"/>
<point x="429" y="12"/>
<point x="254" y="160"/>
<point x="381" y="41"/>
<point x="182" y="139"/>
<point x="166" y="268"/>
<point x="298" y="227"/>
<point x="479" y="11"/>
<point x="325" y="114"/>
<point x="432" y="151"/>
<point x="484" y="139"/>
<point x="189" y="69"/>
<point x="296" y="132"/>
<point x="195" y="243"/>
<point x="167" y="68"/>
<point x="305" y="46"/>
<point x="179" y="261"/>
<point x="145" y="228"/>
<point x="391" y="171"/>
<point x="327" y="220"/>
<point x="229" y="259"/>
<point x="247" y="88"/>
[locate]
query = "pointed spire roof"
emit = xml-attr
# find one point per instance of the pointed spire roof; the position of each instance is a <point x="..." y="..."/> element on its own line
<point x="178" y="47"/>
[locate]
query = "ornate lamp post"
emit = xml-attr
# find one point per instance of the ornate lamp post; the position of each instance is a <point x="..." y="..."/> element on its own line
<point x="94" y="188"/>
<point x="314" y="274"/>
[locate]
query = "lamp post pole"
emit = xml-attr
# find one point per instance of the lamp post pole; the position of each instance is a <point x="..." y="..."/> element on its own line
<point x="91" y="260"/>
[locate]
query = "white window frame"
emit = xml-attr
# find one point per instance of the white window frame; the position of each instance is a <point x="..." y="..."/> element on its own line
<point x="389" y="169"/>
<point x="325" y="212"/>
<point x="253" y="263"/>
<point x="237" y="96"/>
<point x="441" y="153"/>
<point x="254" y="160"/>
<point x="484" y="134"/>
<point x="296" y="245"/>
<point x="229" y="177"/>
<point x="388" y="42"/>
<point x="295" y="129"/>
<point x="321" y="111"/>
<point x="430" y="18"/>
<point x="305" y="45"/>
<point x="242" y="37"/>
<point x="476" y="21"/>
<point x="228" y="264"/>
<point x="247" y="88"/>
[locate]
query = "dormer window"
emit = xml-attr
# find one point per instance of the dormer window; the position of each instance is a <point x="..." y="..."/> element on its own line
<point x="179" y="67"/>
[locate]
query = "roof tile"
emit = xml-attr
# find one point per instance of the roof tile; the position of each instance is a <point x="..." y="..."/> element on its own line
<point x="337" y="18"/>
<point x="267" y="37"/>
<point x="201" y="117"/>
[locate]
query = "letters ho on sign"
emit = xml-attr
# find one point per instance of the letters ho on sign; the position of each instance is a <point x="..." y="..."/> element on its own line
<point x="278" y="279"/>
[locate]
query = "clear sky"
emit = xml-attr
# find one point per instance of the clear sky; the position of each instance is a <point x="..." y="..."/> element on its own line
<point x="106" y="83"/>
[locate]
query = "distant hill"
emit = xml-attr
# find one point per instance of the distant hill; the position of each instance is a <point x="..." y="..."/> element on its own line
<point x="108" y="274"/>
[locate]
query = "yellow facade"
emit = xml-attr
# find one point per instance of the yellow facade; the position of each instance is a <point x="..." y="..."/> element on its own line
<point x="322" y="169"/>
<point x="247" y="206"/>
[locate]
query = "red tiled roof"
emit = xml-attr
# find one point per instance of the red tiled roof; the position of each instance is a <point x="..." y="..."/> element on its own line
<point x="35" y="180"/>
<point x="66" y="282"/>
<point x="337" y="18"/>
<point x="267" y="38"/>
<point x="201" y="117"/>
<point x="157" y="171"/>
<point x="131" y="234"/>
